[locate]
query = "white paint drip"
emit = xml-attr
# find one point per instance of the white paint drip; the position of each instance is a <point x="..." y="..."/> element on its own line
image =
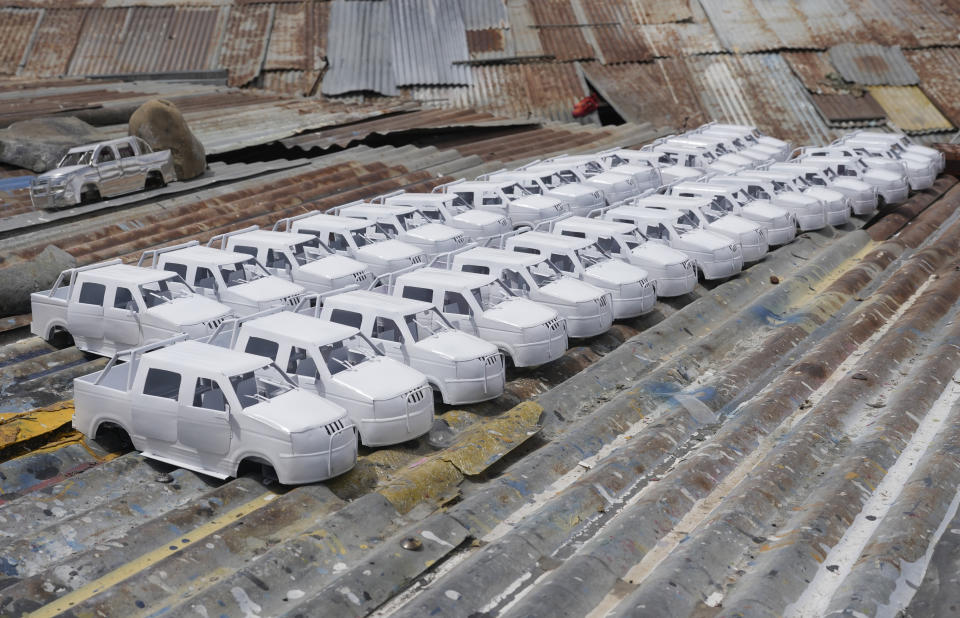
<point x="349" y="594"/>
<point x="293" y="595"/>
<point x="816" y="597"/>
<point x="201" y="610"/>
<point x="432" y="537"/>
<point x="245" y="603"/>
<point x="497" y="600"/>
<point x="453" y="595"/>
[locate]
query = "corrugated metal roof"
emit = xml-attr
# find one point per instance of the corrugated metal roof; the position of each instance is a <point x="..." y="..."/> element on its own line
<point x="909" y="109"/>
<point x="788" y="23"/>
<point x="844" y="110"/>
<point x="289" y="82"/>
<point x="245" y="42"/>
<point x="739" y="25"/>
<point x="16" y="29"/>
<point x="523" y="37"/>
<point x="815" y="71"/>
<point x="939" y="72"/>
<point x="99" y="42"/>
<point x="488" y="40"/>
<point x="683" y="39"/>
<point x="428" y="37"/>
<point x="556" y="24"/>
<point x="54" y="42"/>
<point x="359" y="49"/>
<point x="661" y="11"/>
<point x="833" y="22"/>
<point x="166" y="39"/>
<point x="872" y="65"/>
<point x="484" y="14"/>
<point x="667" y="98"/>
<point x="289" y="46"/>
<point x="617" y="39"/>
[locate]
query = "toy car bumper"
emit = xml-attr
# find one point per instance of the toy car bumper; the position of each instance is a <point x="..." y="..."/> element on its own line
<point x="812" y="220"/>
<point x="676" y="286"/>
<point x="413" y="423"/>
<point x="780" y="235"/>
<point x="472" y="390"/>
<point x="591" y="324"/>
<point x="322" y="465"/>
<point x="720" y="270"/>
<point x="838" y="215"/>
<point x="633" y="306"/>
<point x="535" y="353"/>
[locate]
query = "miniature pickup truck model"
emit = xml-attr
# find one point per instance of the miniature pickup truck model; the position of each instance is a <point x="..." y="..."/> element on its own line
<point x="462" y="367"/>
<point x="892" y="187"/>
<point x="234" y="279"/>
<point x="629" y="285"/>
<point x="808" y="212"/>
<point x="715" y="256"/>
<point x="836" y="204"/>
<point x="301" y="258"/>
<point x="615" y="186"/>
<point x="388" y="402"/>
<point x="587" y="309"/>
<point x="506" y="198"/>
<point x="528" y="333"/>
<point x="358" y="239"/>
<point x="778" y="224"/>
<point x="921" y="170"/>
<point x="702" y="210"/>
<point x="899" y="143"/>
<point x="407" y="224"/>
<point x="477" y="225"/>
<point x="209" y="409"/>
<point x="735" y="142"/>
<point x="88" y="173"/>
<point x="671" y="271"/>
<point x="111" y="307"/>
<point x="816" y="172"/>
<point x="750" y="135"/>
<point x="644" y="175"/>
<point x="582" y="199"/>
<point x="874" y="164"/>
<point x="669" y="171"/>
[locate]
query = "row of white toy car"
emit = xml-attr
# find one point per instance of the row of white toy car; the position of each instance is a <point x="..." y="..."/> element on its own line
<point x="438" y="329"/>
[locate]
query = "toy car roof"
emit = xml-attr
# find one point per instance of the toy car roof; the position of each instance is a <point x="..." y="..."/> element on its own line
<point x="553" y="241"/>
<point x="657" y="213"/>
<point x="419" y="198"/>
<point x="206" y="358"/>
<point x="119" y="140"/>
<point x="374" y="302"/>
<point x="373" y="211"/>
<point x="330" y="222"/>
<point x="440" y="277"/>
<point x="269" y="237"/>
<point x="497" y="256"/>
<point x="199" y="255"/>
<point x="600" y="226"/>
<point x="125" y="273"/>
<point x="303" y="328"/>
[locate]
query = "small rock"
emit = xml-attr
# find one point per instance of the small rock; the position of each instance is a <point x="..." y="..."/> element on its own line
<point x="159" y="123"/>
<point x="859" y="376"/>
<point x="774" y="279"/>
<point x="880" y="403"/>
<point x="412" y="544"/>
<point x="164" y="478"/>
<point x="833" y="568"/>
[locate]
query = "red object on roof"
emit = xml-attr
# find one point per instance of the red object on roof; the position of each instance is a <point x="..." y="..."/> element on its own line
<point x="586" y="105"/>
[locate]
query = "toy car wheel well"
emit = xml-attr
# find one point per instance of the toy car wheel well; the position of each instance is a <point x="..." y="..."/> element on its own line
<point x="59" y="336"/>
<point x="89" y="193"/>
<point x="254" y="465"/>
<point x="154" y="180"/>
<point x="112" y="436"/>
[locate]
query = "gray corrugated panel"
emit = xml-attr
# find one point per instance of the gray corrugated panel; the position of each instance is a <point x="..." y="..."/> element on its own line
<point x="99" y="42"/>
<point x="54" y="42"/>
<point x="722" y="88"/>
<point x="938" y="70"/>
<point x="484" y="14"/>
<point x="788" y="23"/>
<point x="873" y="65"/>
<point x="740" y="26"/>
<point x="523" y="37"/>
<point x="661" y="11"/>
<point x="834" y="22"/>
<point x="359" y="48"/>
<point x="687" y="38"/>
<point x="428" y="39"/>
<point x="16" y="29"/>
<point x="245" y="42"/>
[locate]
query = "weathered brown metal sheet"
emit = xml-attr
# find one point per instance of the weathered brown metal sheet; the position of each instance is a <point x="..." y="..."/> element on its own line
<point x="615" y="37"/>
<point x="834" y="22"/>
<point x="815" y="71"/>
<point x="16" y="29"/>
<point x="739" y="26"/>
<point x="667" y="98"/>
<point x="54" y="42"/>
<point x="872" y="65"/>
<point x="166" y="39"/>
<point x="660" y="11"/>
<point x="318" y="20"/>
<point x="909" y="109"/>
<point x="687" y="38"/>
<point x="847" y="110"/>
<point x="938" y="70"/>
<point x="788" y="23"/>
<point x="245" y="42"/>
<point x="99" y="42"/>
<point x="289" y="82"/>
<point x="557" y="25"/>
<point x="488" y="40"/>
<point x="288" y="39"/>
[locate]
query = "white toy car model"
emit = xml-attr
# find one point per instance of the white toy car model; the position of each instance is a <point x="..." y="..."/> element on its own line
<point x="406" y="224"/>
<point x="701" y="210"/>
<point x="750" y="135"/>
<point x="528" y="333"/>
<point x="892" y="187"/>
<point x="388" y="401"/>
<point x="234" y="279"/>
<point x="670" y="172"/>
<point x="463" y="368"/>
<point x="110" y="307"/>
<point x="614" y="185"/>
<point x="208" y="409"/>
<point x="808" y="212"/>
<point x="900" y="143"/>
<point x="874" y="164"/>
<point x="645" y="176"/>
<point x="587" y="309"/>
<point x="778" y="224"/>
<point x="836" y="204"/>
<point x="582" y="198"/>
<point x="921" y="170"/>
<point x="477" y="225"/>
<point x="817" y="172"/>
<point x="301" y="258"/>
<point x="357" y="239"/>
<point x="506" y="198"/>
<point x="715" y="256"/>
<point x="629" y="285"/>
<point x="671" y="271"/>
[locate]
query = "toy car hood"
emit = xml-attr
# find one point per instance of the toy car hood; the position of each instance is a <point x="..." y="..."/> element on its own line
<point x="434" y="232"/>
<point x="734" y="225"/>
<point x="380" y="378"/>
<point x="63" y="171"/>
<point x="389" y="250"/>
<point x="660" y="254"/>
<point x="571" y="290"/>
<point x="456" y="346"/>
<point x="184" y="311"/>
<point x="616" y="272"/>
<point x="520" y="313"/>
<point x="266" y="289"/>
<point x="479" y="218"/>
<point x="703" y="239"/>
<point x="333" y="267"/>
<point x="295" y="411"/>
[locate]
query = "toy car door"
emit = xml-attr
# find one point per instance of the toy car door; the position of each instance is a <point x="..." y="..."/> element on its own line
<point x="134" y="172"/>
<point x="85" y="311"/>
<point x="203" y="421"/>
<point x="122" y="317"/>
<point x="155" y="402"/>
<point x="458" y="309"/>
<point x="389" y="335"/>
<point x="109" y="171"/>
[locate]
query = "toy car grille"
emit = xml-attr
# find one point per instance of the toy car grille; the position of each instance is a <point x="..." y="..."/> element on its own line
<point x="333" y="427"/>
<point x="501" y="222"/>
<point x="213" y="324"/>
<point x="602" y="301"/>
<point x="39" y="187"/>
<point x="491" y="360"/>
<point x="459" y="239"/>
<point x="553" y="324"/>
<point x="687" y="264"/>
<point x="416" y="395"/>
<point x="360" y="277"/>
<point x="416" y="259"/>
<point x="294" y="300"/>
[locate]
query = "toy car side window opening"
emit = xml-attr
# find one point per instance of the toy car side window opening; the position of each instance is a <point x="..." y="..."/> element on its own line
<point x="417" y="293"/>
<point x="337" y="242"/>
<point x="492" y="200"/>
<point x="386" y="329"/>
<point x="347" y="318"/>
<point x="208" y="394"/>
<point x="106" y="155"/>
<point x="475" y="268"/>
<point x="204" y="278"/>
<point x="653" y="231"/>
<point x="277" y="259"/>
<point x="259" y="386"/>
<point x="388" y="229"/>
<point x="162" y="383"/>
<point x="529" y="250"/>
<point x="92" y="293"/>
<point x="245" y="249"/>
<point x="514" y="280"/>
<point x="573" y="234"/>
<point x="691" y="161"/>
<point x="433" y="215"/>
<point x="262" y="347"/>
<point x="464" y="198"/>
<point x="454" y="302"/>
<point x="126" y="151"/>
<point x="123" y="299"/>
<point x="561" y="261"/>
<point x="608" y="244"/>
<point x="180" y="269"/>
<point x="300" y="363"/>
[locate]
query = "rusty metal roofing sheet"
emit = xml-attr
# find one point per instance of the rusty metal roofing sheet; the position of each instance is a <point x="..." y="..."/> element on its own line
<point x="429" y="39"/>
<point x="54" y="42"/>
<point x="17" y="27"/>
<point x="815" y="71"/>
<point x="288" y="47"/>
<point x="166" y="39"/>
<point x="939" y="72"/>
<point x="99" y="42"/>
<point x="245" y="42"/>
<point x="359" y="48"/>
<point x="484" y="14"/>
<point x="845" y="110"/>
<point x="872" y="65"/>
<point x="289" y="82"/>
<point x="523" y="37"/>
<point x="558" y="27"/>
<point x="686" y="38"/>
<point x="660" y="11"/>
<point x="739" y="25"/>
<point x="667" y="98"/>
<point x="615" y="37"/>
<point x="486" y="40"/>
<point x="833" y="22"/>
<point x="890" y="23"/>
<point x="909" y="109"/>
